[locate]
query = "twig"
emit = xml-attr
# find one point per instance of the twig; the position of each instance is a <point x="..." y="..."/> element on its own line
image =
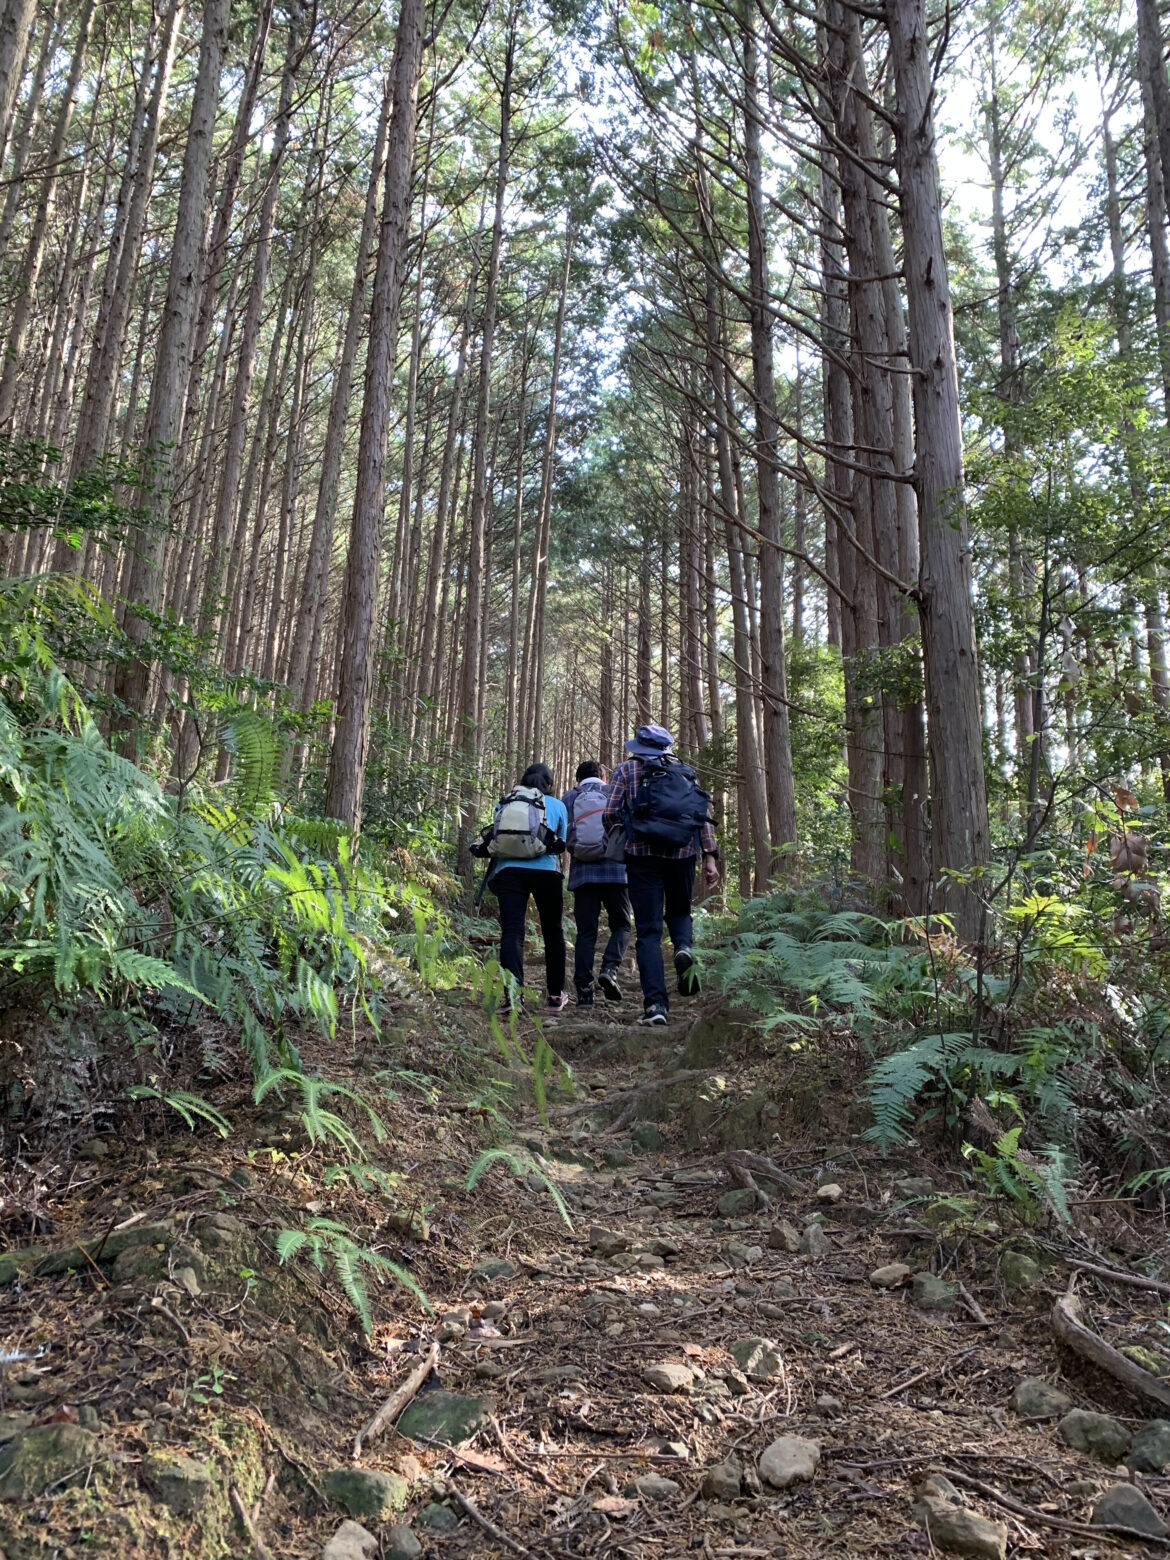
<point x="928" y="1374"/>
<point x="488" y="1526"/>
<point x="1011" y="1504"/>
<point x="1119" y="1276"/>
<point x="741" y="1162"/>
<point x="248" y="1522"/>
<point x="397" y="1401"/>
<point x="973" y="1306"/>
<point x="1072" y="1332"/>
<point x="164" y="1311"/>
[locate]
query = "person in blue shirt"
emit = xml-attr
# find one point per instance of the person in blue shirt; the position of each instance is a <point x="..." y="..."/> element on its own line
<point x="513" y="882"/>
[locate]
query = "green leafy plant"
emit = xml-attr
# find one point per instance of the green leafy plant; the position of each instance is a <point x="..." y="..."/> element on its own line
<point x="193" y="1108"/>
<point x="320" y="1123"/>
<point x="519" y="1165"/>
<point x="330" y="1244"/>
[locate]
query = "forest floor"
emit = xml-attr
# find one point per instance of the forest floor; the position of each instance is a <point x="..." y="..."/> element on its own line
<point x="171" y="1390"/>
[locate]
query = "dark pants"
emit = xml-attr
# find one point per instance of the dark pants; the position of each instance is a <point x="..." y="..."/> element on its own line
<point x="658" y="887"/>
<point x="587" y="903"/>
<point x="512" y="887"/>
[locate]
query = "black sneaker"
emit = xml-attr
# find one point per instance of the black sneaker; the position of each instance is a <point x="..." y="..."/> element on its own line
<point x="585" y="996"/>
<point x="684" y="968"/>
<point x="655" y="1014"/>
<point x="607" y="980"/>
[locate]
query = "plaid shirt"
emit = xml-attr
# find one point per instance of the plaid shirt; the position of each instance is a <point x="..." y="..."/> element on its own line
<point x="623" y="787"/>
<point x="583" y="873"/>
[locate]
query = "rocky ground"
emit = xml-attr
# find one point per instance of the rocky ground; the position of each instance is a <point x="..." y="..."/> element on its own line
<point x="757" y="1338"/>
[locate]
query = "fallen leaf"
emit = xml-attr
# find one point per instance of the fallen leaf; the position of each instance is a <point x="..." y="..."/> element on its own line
<point x="614" y="1506"/>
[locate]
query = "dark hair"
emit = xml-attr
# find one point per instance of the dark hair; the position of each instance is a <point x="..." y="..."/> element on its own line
<point x="540" y="776"/>
<point x="588" y="769"/>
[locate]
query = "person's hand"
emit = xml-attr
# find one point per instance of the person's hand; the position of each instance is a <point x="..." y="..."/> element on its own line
<point x="710" y="874"/>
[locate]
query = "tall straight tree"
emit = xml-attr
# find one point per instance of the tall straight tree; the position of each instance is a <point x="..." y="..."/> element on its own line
<point x="359" y="612"/>
<point x="960" y="832"/>
<point x="145" y="585"/>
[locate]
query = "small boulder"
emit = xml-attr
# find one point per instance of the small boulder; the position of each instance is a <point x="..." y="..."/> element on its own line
<point x="447" y="1417"/>
<point x="1100" y="1435"/>
<point x="399" y="1543"/>
<point x="792" y="1459"/>
<point x="722" y="1482"/>
<point x="488" y="1268"/>
<point x="961" y="1531"/>
<point x="365" y="1492"/>
<point x="1019" y="1272"/>
<point x="49" y="1455"/>
<point x="736" y="1383"/>
<point x="814" y="1242"/>
<point x="670" y="1377"/>
<point x="1124" y="1505"/>
<point x="758" y="1358"/>
<point x="784" y="1237"/>
<point x="829" y="1193"/>
<point x="1150" y="1452"/>
<point x="454" y="1324"/>
<point x="607" y="1242"/>
<point x="1035" y="1398"/>
<point x="351" y="1542"/>
<point x="891" y="1276"/>
<point x="182" y="1483"/>
<point x="912" y="1186"/>
<point x="438" y="1518"/>
<point x="653" y="1486"/>
<point x="647" y="1137"/>
<point x="933" y="1294"/>
<point x="734" y="1204"/>
<point x="938" y="1484"/>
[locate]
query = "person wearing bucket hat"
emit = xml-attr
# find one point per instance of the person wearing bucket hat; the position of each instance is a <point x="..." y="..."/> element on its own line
<point x="666" y="815"/>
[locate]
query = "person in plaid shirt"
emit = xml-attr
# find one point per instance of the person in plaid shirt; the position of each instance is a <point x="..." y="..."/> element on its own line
<point x="661" y="878"/>
<point x="593" y="885"/>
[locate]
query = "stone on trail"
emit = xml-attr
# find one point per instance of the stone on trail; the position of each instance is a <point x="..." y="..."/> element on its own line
<point x="1150" y="1452"/>
<point x="494" y="1267"/>
<point x="399" y="1543"/>
<point x="182" y="1483"/>
<point x="653" y="1486"/>
<point x="722" y="1482"/>
<point x="784" y="1237"/>
<point x="366" y="1492"/>
<point x="938" y="1484"/>
<point x="890" y="1276"/>
<point x="446" y="1417"/>
<point x="758" y="1358"/>
<point x="814" y="1242"/>
<point x="829" y="1193"/>
<point x="792" y="1459"/>
<point x="1019" y="1271"/>
<point x="914" y="1186"/>
<point x="1035" y="1398"/>
<point x="961" y="1531"/>
<point x="734" y="1204"/>
<point x="670" y="1377"/>
<point x="933" y="1294"/>
<point x="607" y="1242"/>
<point x="648" y="1138"/>
<point x="1100" y="1435"/>
<point x="48" y="1455"/>
<point x="351" y="1542"/>
<point x="438" y="1518"/>
<point x="1124" y="1505"/>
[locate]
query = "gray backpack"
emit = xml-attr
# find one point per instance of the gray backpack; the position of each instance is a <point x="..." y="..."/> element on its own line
<point x="586" y="831"/>
<point x="520" y="830"/>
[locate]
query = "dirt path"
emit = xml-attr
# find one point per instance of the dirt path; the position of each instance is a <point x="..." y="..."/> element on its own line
<point x="617" y="1384"/>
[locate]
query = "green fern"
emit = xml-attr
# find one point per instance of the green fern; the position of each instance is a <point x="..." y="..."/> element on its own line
<point x="520" y="1165"/>
<point x="255" y="746"/>
<point x="328" y="1243"/>
<point x="193" y="1108"/>
<point x="320" y="1123"/>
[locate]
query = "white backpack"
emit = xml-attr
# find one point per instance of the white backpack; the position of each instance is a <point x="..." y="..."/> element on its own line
<point x="520" y="830"/>
<point x="586" y="831"/>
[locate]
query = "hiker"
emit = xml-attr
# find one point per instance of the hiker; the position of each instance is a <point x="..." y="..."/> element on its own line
<point x="595" y="883"/>
<point x="657" y="801"/>
<point x="525" y="840"/>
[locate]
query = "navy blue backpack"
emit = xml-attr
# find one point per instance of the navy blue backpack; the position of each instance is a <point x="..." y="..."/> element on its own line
<point x="669" y="807"/>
